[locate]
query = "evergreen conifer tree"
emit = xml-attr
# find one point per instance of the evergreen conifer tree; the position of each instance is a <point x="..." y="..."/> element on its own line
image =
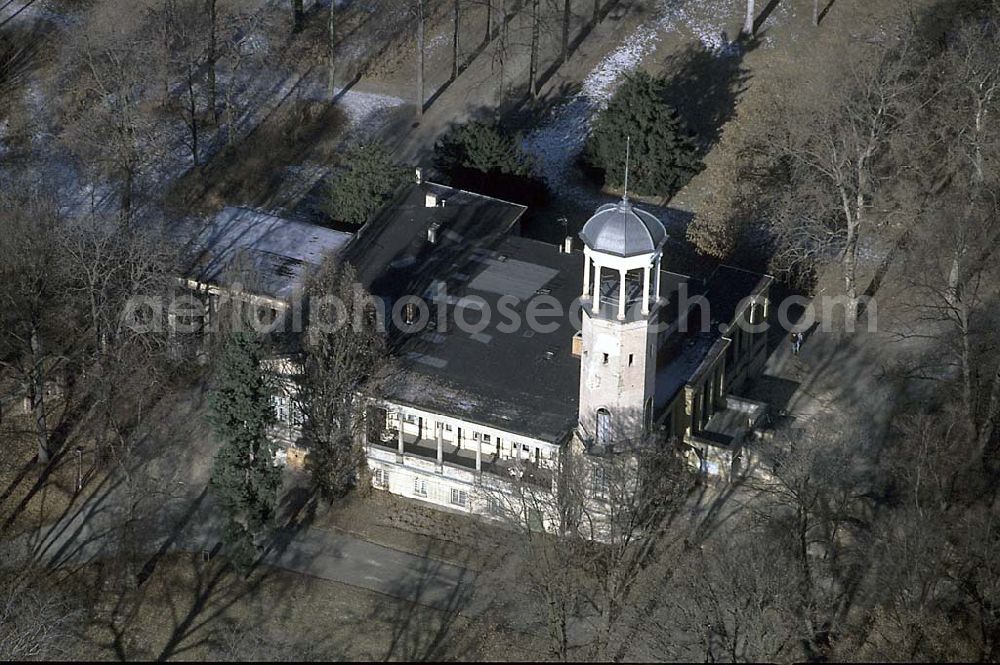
<point x="664" y="155"/>
<point x="367" y="181"/>
<point x="244" y="478"/>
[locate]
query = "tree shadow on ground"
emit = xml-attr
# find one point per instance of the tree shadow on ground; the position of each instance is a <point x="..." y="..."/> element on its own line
<point x="425" y="627"/>
<point x="704" y="85"/>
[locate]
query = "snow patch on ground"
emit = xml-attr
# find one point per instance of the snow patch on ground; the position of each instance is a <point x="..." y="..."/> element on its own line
<point x="558" y="141"/>
<point x="366" y="110"/>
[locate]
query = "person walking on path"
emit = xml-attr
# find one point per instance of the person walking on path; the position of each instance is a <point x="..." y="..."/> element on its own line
<point x="796" y="342"/>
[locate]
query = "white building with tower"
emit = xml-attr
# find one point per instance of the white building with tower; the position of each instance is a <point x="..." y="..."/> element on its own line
<point x="525" y="348"/>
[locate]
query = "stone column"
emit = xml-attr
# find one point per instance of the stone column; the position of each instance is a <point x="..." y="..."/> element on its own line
<point x="400" y="449"/>
<point x="621" y="294"/>
<point x="689" y="410"/>
<point x="645" y="290"/>
<point x="438" y="428"/>
<point x="657" y="279"/>
<point x="597" y="287"/>
<point x="479" y="455"/>
<point x="587" y="267"/>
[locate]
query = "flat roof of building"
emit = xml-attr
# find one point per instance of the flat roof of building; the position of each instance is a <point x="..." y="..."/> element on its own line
<point x="253" y="246"/>
<point x="488" y="371"/>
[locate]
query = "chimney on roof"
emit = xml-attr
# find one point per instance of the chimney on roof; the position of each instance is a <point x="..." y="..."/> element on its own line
<point x="567" y="247"/>
<point x="432" y="232"/>
<point x="419" y="175"/>
<point x="431" y="200"/>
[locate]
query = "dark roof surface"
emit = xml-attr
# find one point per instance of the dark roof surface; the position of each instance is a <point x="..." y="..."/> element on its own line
<point x="727" y="286"/>
<point x="685" y="355"/>
<point x="493" y="373"/>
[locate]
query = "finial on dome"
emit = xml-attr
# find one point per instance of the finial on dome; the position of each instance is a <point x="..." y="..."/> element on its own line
<point x="628" y="146"/>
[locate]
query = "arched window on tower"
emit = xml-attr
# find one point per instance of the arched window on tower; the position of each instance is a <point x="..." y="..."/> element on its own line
<point x="603" y="427"/>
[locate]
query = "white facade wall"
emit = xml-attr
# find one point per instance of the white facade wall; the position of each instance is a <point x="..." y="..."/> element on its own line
<point x="419" y="477"/>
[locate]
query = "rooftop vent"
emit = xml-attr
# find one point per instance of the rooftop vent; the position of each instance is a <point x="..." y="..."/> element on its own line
<point x="432" y="233"/>
<point x="567" y="246"/>
<point x="418" y="175"/>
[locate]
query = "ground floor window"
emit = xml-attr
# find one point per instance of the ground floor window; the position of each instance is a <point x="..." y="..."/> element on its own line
<point x="494" y="506"/>
<point x="459" y="497"/>
<point x="419" y="486"/>
<point x="600" y="481"/>
<point x="286" y="410"/>
<point x="381" y="478"/>
<point x="603" y="427"/>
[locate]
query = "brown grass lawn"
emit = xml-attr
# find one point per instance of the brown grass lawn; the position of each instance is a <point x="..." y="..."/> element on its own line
<point x="193" y="610"/>
<point x="31" y="495"/>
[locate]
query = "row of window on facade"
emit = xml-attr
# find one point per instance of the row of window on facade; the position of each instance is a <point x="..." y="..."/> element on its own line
<point x="459" y="497"/>
<point x="489" y="439"/>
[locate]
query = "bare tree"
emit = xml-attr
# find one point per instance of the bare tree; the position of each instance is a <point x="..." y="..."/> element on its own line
<point x="35" y="622"/>
<point x="331" y="47"/>
<point x="749" y="19"/>
<point x="344" y="358"/>
<point x="455" y="19"/>
<point x="419" y="9"/>
<point x="954" y="288"/>
<point x="815" y="500"/>
<point x="553" y="574"/>
<point x="107" y="74"/>
<point x="566" y="15"/>
<point x="535" y="36"/>
<point x="594" y="532"/>
<point x="489" y="22"/>
<point x="728" y="600"/>
<point x="37" y="312"/>
<point x="833" y="163"/>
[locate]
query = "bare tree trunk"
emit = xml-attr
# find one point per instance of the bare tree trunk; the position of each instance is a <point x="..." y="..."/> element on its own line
<point x="849" y="263"/>
<point x="967" y="369"/>
<point x="192" y="113"/>
<point x="533" y="66"/>
<point x="992" y="414"/>
<point x="454" y="41"/>
<point x="503" y="62"/>
<point x="331" y="34"/>
<point x="299" y="15"/>
<point x="420" y="58"/>
<point x="127" y="194"/>
<point x="212" y="59"/>
<point x="749" y="19"/>
<point x="567" y="10"/>
<point x="489" y="22"/>
<point x="36" y="397"/>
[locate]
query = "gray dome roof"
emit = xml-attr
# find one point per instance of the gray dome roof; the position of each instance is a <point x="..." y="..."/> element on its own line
<point x="623" y="230"/>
